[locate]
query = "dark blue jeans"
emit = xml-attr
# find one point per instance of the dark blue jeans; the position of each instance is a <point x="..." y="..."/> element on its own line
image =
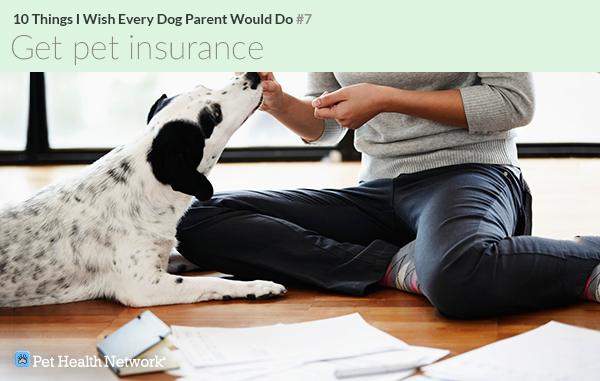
<point x="472" y="255"/>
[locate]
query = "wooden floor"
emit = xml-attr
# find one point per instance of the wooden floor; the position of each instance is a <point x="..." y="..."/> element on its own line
<point x="565" y="203"/>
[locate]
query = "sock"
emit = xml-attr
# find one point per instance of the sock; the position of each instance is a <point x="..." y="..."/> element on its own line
<point x="592" y="288"/>
<point x="401" y="273"/>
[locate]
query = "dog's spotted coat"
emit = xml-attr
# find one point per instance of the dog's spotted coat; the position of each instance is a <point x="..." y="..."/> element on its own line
<point x="108" y="232"/>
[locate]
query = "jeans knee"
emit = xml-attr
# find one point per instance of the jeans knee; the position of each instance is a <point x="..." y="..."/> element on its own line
<point x="456" y="295"/>
<point x="446" y="295"/>
<point x="458" y="279"/>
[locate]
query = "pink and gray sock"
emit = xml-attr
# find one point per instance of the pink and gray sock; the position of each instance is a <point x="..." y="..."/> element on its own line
<point x="592" y="289"/>
<point x="401" y="273"/>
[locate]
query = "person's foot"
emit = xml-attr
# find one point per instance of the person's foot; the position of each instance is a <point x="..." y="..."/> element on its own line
<point x="401" y="273"/>
<point x="592" y="287"/>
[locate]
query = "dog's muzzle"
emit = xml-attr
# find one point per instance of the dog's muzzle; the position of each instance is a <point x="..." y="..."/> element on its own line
<point x="254" y="79"/>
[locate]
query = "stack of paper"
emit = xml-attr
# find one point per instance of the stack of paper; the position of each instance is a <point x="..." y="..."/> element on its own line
<point x="312" y="350"/>
<point x="552" y="352"/>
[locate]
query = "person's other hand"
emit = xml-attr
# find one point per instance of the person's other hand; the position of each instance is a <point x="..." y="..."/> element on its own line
<point x="351" y="106"/>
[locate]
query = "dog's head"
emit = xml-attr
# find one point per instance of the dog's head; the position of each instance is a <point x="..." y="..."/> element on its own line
<point x="193" y="129"/>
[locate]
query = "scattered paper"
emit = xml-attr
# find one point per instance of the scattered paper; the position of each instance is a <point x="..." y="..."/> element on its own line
<point x="312" y="350"/>
<point x="316" y="340"/>
<point x="552" y="352"/>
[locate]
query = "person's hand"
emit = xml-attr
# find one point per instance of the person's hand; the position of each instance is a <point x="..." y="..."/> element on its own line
<point x="294" y="113"/>
<point x="272" y="92"/>
<point x="351" y="106"/>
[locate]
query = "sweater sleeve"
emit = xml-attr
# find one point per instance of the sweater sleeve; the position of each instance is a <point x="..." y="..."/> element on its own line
<point x="501" y="102"/>
<point x="317" y="84"/>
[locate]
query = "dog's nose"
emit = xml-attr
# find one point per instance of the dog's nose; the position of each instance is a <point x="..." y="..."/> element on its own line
<point x="254" y="79"/>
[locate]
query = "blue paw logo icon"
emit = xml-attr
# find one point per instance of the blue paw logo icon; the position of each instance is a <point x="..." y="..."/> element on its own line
<point x="22" y="358"/>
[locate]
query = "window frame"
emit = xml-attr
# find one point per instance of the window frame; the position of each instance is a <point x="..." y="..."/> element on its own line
<point x="39" y="152"/>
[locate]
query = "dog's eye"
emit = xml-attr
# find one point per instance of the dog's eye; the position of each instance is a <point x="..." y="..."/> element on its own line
<point x="218" y="115"/>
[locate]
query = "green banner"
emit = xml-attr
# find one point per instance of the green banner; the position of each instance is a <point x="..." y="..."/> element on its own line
<point x="233" y="35"/>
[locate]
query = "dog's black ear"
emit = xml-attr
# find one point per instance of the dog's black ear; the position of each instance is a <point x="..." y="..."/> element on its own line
<point x="174" y="157"/>
<point x="159" y="104"/>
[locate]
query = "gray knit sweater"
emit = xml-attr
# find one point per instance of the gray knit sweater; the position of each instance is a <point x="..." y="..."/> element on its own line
<point x="392" y="143"/>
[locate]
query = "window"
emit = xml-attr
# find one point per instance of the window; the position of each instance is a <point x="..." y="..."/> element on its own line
<point x="14" y="98"/>
<point x="567" y="111"/>
<point x="77" y="117"/>
<point x="101" y="110"/>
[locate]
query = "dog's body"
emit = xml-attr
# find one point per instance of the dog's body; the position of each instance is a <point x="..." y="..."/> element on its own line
<point x="108" y="232"/>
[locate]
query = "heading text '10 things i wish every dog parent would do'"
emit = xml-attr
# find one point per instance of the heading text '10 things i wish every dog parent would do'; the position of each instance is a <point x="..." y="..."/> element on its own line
<point x="28" y="46"/>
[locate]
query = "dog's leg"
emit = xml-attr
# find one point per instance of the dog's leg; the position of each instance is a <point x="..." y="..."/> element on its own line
<point x="178" y="264"/>
<point x="161" y="288"/>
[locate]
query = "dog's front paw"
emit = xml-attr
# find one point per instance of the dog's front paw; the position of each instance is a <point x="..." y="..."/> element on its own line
<point x="260" y="289"/>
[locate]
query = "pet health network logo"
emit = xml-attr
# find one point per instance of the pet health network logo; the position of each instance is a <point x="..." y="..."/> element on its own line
<point x="22" y="358"/>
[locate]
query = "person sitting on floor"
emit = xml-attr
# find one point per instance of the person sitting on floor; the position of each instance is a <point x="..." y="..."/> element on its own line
<point x="441" y="208"/>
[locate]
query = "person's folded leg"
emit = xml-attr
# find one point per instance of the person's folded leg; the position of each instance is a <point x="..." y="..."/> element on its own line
<point x="337" y="239"/>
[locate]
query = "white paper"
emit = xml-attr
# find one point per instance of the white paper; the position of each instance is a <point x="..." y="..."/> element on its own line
<point x="325" y="370"/>
<point x="318" y="370"/>
<point x="304" y="351"/>
<point x="326" y="339"/>
<point x="552" y="352"/>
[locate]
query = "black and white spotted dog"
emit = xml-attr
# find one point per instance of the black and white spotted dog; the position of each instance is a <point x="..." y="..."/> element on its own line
<point x="108" y="232"/>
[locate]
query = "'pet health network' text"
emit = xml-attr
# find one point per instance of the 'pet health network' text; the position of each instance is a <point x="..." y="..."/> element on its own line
<point x="159" y="19"/>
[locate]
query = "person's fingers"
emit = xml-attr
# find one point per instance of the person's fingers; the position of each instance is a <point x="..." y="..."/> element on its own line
<point x="328" y="99"/>
<point x="269" y="86"/>
<point x="266" y="75"/>
<point x="325" y="113"/>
